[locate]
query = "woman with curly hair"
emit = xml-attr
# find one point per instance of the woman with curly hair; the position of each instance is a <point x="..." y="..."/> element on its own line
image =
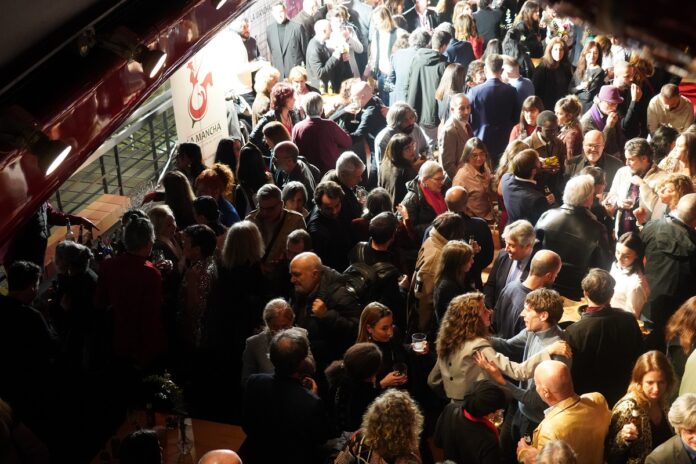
<point x="282" y="110"/>
<point x="639" y="420"/>
<point x="218" y="182"/>
<point x="680" y="334"/>
<point x="682" y="159"/>
<point x="390" y="430"/>
<point x="464" y="330"/>
<point x="669" y="190"/>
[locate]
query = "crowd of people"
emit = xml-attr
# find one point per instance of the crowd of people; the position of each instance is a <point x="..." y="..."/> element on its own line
<point x="332" y="282"/>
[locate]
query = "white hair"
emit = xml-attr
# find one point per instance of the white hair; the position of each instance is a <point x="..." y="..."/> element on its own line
<point x="347" y="164"/>
<point x="578" y="190"/>
<point x="520" y="231"/>
<point x="682" y="414"/>
<point x="428" y="170"/>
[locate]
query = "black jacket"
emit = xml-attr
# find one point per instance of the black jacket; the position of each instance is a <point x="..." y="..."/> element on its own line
<point x="498" y="275"/>
<point x="426" y="73"/>
<point x="463" y="440"/>
<point x="332" y="334"/>
<point x="331" y="239"/>
<point x="522" y="200"/>
<point x="420" y="213"/>
<point x="322" y="66"/>
<point x="605" y="345"/>
<point x="412" y="22"/>
<point x="608" y="163"/>
<point x="581" y="241"/>
<point x="291" y="51"/>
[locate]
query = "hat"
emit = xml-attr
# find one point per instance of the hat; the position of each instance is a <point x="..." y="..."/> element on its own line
<point x="610" y="94"/>
<point x="483" y="398"/>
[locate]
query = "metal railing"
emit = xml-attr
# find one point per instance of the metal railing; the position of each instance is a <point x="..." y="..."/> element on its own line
<point x="127" y="164"/>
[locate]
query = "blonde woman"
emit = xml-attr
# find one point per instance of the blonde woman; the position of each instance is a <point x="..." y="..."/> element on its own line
<point x="463" y="332"/>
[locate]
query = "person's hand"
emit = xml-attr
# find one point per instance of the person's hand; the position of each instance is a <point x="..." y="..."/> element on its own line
<point x="612" y="119"/>
<point x="636" y="92"/>
<point x="476" y="247"/>
<point x="401" y="209"/>
<point x="491" y="369"/>
<point x="530" y="452"/>
<point x="550" y="199"/>
<point x="310" y="384"/>
<point x="641" y="215"/>
<point x="319" y="308"/>
<point x="88" y="224"/>
<point x="404" y="281"/>
<point x="628" y="432"/>
<point x="637" y="180"/>
<point x="384" y="110"/>
<point x="426" y="349"/>
<point x="346" y="33"/>
<point x="164" y="265"/>
<point x="393" y="379"/>
<point x="150" y="196"/>
<point x="560" y="348"/>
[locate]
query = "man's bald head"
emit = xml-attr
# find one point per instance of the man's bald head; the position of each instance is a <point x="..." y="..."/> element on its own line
<point x="593" y="145"/>
<point x="553" y="382"/>
<point x="545" y="262"/>
<point x="686" y="209"/>
<point x="362" y="91"/>
<point x="456" y="199"/>
<point x="220" y="456"/>
<point x="305" y="272"/>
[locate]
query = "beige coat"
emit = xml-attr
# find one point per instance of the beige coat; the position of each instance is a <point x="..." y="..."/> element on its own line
<point x="451" y="141"/>
<point x="580" y="421"/>
<point x="424" y="278"/>
<point x="291" y="220"/>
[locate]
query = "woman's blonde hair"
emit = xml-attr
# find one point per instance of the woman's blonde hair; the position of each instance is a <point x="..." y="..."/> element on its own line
<point x="158" y="217"/>
<point x="392" y="425"/>
<point x="648" y="362"/>
<point x="464" y="26"/>
<point x="460" y="323"/>
<point x="243" y="245"/>
<point x="370" y="316"/>
<point x="264" y="77"/>
<point x="382" y="19"/>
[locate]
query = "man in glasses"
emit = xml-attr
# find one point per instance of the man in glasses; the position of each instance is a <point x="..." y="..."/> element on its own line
<point x="593" y="155"/>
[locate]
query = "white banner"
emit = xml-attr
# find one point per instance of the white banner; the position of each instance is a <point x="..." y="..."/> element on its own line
<point x="198" y="96"/>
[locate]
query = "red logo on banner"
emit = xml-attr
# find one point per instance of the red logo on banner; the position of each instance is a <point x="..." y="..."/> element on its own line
<point x="198" y="100"/>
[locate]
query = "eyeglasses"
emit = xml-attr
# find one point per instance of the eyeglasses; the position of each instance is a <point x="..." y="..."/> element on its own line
<point x="594" y="146"/>
<point x="438" y="179"/>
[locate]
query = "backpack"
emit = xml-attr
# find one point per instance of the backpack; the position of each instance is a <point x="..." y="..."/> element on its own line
<point x="367" y="281"/>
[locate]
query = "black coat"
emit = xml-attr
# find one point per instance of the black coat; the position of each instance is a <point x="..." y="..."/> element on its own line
<point x="323" y="66"/>
<point x="608" y="163"/>
<point x="332" y="334"/>
<point x="331" y="239"/>
<point x="581" y="241"/>
<point x="488" y="24"/>
<point x="522" y="200"/>
<point x="412" y="22"/>
<point x="289" y="53"/>
<point x="552" y="84"/>
<point x="465" y="441"/>
<point x="426" y="72"/>
<point x="283" y="421"/>
<point x="605" y="345"/>
<point x="420" y="213"/>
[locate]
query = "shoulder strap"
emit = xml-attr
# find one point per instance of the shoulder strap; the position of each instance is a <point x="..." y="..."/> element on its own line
<point x="276" y="232"/>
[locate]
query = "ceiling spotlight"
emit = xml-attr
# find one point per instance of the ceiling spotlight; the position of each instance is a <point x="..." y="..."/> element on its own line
<point x="126" y="44"/>
<point x="20" y="131"/>
<point x="218" y="3"/>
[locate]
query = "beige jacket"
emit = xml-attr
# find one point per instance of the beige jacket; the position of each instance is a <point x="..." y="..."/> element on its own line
<point x="291" y="220"/>
<point x="424" y="278"/>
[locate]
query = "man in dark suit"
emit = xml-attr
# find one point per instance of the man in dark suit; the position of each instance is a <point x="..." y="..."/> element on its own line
<point x="286" y="41"/>
<point x="520" y="194"/>
<point x="284" y="421"/>
<point x="679" y="448"/>
<point x="606" y="341"/>
<point x="420" y="16"/>
<point x="593" y="155"/>
<point x="494" y="109"/>
<point x="323" y="66"/>
<point x="458" y="51"/>
<point x="520" y="247"/>
<point x="402" y="61"/>
<point x="307" y="17"/>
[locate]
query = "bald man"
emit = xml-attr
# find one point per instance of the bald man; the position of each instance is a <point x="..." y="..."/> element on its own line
<point x="543" y="271"/>
<point x="580" y="421"/>
<point x="454" y="134"/>
<point x="593" y="155"/>
<point x="670" y="253"/>
<point x="363" y="120"/>
<point x="220" y="456"/>
<point x="324" y="306"/>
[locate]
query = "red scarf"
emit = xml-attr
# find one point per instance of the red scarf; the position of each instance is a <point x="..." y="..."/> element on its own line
<point x="435" y="200"/>
<point x="484" y="421"/>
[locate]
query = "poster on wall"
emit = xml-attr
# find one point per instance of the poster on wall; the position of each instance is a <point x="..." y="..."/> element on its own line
<point x="198" y="97"/>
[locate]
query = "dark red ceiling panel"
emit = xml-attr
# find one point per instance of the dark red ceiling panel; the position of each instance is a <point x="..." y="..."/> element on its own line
<point x="83" y="100"/>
